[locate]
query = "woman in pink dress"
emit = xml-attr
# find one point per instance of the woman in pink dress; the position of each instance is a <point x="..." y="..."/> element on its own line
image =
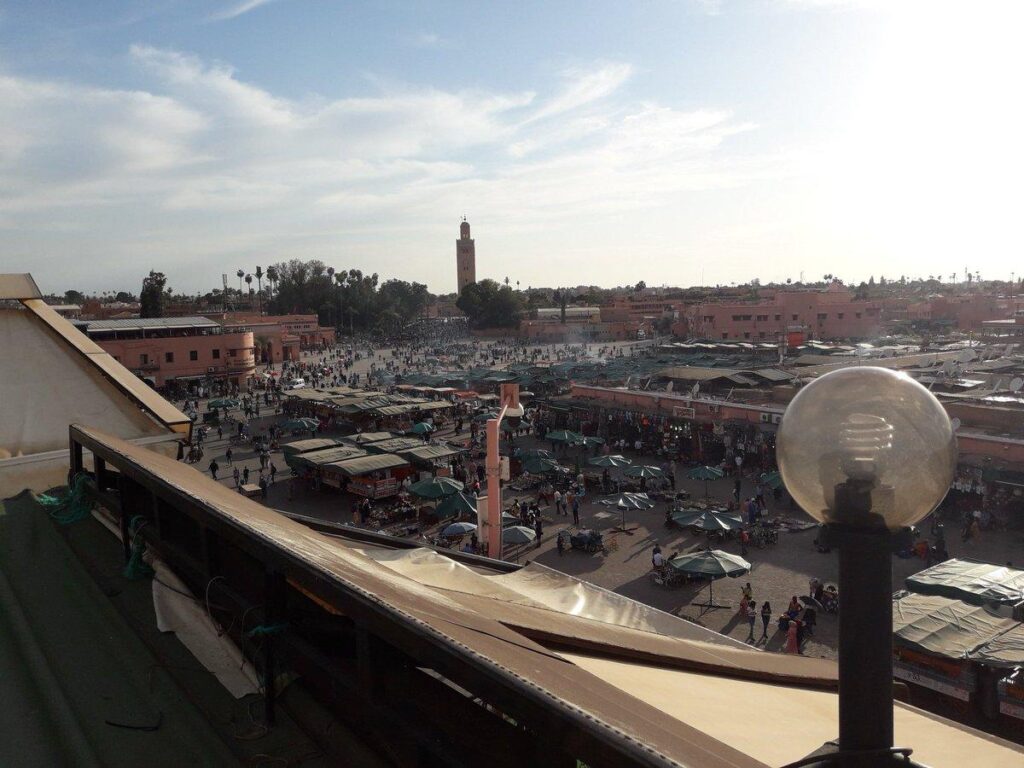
<point x="791" y="638"/>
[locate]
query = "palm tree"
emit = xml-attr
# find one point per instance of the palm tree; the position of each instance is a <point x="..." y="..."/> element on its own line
<point x="517" y="285"/>
<point x="259" y="282"/>
<point x="241" y="274"/>
<point x="272" y="278"/>
<point x="248" y="281"/>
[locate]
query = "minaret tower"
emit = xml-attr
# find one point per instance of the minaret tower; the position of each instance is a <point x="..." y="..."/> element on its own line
<point x="465" y="256"/>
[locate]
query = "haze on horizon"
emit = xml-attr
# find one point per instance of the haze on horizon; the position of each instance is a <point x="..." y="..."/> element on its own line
<point x="679" y="142"/>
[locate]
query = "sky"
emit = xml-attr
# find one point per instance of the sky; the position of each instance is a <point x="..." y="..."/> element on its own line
<point x="679" y="142"/>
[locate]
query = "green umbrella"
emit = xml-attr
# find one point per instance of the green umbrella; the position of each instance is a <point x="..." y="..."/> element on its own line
<point x="564" y="436"/>
<point x="422" y="428"/>
<point x="456" y="504"/>
<point x="645" y="471"/>
<point x="301" y="425"/>
<point x="590" y="442"/>
<point x="712" y="564"/>
<point x="614" y="460"/>
<point x="508" y="517"/>
<point x="485" y="416"/>
<point x="458" y="529"/>
<point x="706" y="474"/>
<point x="772" y="479"/>
<point x="518" y="534"/>
<point x="436" y="488"/>
<point x="537" y="465"/>
<point x="628" y="501"/>
<point x="532" y="453"/>
<point x="223" y="402"/>
<point x="707" y="520"/>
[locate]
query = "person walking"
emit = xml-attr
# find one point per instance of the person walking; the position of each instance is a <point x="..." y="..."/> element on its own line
<point x="273" y="472"/>
<point x="214" y="466"/>
<point x="228" y="455"/>
<point x="557" y="495"/>
<point x="576" y="511"/>
<point x="751" y="620"/>
<point x="237" y="477"/>
<point x="766" y="619"/>
<point x="792" y="643"/>
<point x="538" y="528"/>
<point x="245" y="476"/>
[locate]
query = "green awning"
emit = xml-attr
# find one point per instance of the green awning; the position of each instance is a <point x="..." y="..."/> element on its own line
<point x="366" y="464"/>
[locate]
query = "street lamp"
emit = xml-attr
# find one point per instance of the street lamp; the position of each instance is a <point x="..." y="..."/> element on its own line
<point x="868" y="452"/>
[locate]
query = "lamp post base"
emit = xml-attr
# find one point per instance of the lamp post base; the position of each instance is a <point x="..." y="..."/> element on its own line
<point x="830" y="756"/>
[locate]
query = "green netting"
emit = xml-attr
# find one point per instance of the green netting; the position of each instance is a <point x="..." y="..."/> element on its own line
<point x="137" y="568"/>
<point x="75" y="505"/>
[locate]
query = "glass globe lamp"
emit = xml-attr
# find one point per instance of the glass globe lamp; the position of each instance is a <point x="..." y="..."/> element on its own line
<point x="866" y="447"/>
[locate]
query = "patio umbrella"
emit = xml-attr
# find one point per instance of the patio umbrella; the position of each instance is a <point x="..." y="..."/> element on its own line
<point x="422" y="428"/>
<point x="589" y="441"/>
<point x="706" y="474"/>
<point x="712" y="564"/>
<point x="485" y="416"/>
<point x="508" y="517"/>
<point x="456" y="504"/>
<point x="458" y="529"/>
<point x="508" y="426"/>
<point x="564" y="436"/>
<point x="301" y="425"/>
<point x="628" y="501"/>
<point x="614" y="460"/>
<point x="532" y="453"/>
<point x="223" y="402"/>
<point x="537" y="465"/>
<point x="436" y="488"/>
<point x="707" y="520"/>
<point x="518" y="534"/>
<point x="644" y="471"/>
<point x="772" y="479"/>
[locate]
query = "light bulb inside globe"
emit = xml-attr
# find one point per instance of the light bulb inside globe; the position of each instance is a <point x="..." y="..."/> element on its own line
<point x="865" y="443"/>
<point x="866" y="447"/>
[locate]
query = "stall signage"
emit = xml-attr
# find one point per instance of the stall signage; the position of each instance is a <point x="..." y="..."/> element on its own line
<point x="911" y="675"/>
<point x="1011" y="709"/>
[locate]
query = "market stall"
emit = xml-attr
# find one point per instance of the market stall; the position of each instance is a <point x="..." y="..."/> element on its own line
<point x="375" y="477"/>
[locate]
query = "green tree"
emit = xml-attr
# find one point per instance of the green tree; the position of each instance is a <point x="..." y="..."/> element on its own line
<point x="73" y="297"/>
<point x="488" y="304"/>
<point x="151" y="298"/>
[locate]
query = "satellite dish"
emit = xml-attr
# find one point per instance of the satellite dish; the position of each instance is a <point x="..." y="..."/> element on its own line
<point x="947" y="367"/>
<point x="1016" y="384"/>
<point x="965" y="355"/>
<point x="695" y="390"/>
<point x="955" y="423"/>
<point x="670" y="387"/>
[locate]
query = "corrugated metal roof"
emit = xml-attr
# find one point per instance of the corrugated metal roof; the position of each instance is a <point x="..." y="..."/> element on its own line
<point x="429" y="452"/>
<point x="139" y="323"/>
<point x="364" y="464"/>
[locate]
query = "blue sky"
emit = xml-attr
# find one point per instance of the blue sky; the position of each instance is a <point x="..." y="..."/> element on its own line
<point x="674" y="141"/>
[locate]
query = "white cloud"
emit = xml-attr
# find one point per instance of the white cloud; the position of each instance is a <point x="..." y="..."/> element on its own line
<point x="203" y="169"/>
<point x="239" y="9"/>
<point x="426" y="40"/>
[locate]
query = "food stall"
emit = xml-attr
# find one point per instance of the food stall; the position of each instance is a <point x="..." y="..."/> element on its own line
<point x="375" y="477"/>
<point x="319" y="463"/>
<point x="430" y="458"/>
<point x="934" y="638"/>
<point x="298" y="447"/>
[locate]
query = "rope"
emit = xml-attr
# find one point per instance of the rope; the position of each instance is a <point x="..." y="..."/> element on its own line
<point x="73" y="506"/>
<point x="266" y="629"/>
<point x="137" y="568"/>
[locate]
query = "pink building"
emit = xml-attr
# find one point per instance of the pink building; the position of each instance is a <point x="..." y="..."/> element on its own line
<point x="830" y="314"/>
<point x="163" y="350"/>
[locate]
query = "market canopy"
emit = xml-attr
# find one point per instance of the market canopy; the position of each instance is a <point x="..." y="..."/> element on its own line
<point x="428" y="453"/>
<point x="707" y="520"/>
<point x="645" y="471"/>
<point x="972" y="581"/>
<point x="323" y="457"/>
<point x="312" y="444"/>
<point x="614" y="460"/>
<point x="945" y="627"/>
<point x="365" y="464"/>
<point x="436" y="487"/>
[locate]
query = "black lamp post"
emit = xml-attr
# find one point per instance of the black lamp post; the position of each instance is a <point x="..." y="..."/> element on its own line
<point x="869" y="452"/>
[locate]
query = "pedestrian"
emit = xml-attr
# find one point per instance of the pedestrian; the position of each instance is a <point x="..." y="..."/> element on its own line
<point x="228" y="456"/>
<point x="751" y="620"/>
<point x="237" y="477"/>
<point x="792" y="643"/>
<point x="245" y="476"/>
<point x="766" y="619"/>
<point x="273" y="472"/>
<point x="560" y="543"/>
<point x="220" y="432"/>
<point x="263" y="487"/>
<point x="538" y="528"/>
<point x="576" y="511"/>
<point x="744" y="541"/>
<point x="558" y="501"/>
<point x="214" y="466"/>
<point x="737" y="486"/>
